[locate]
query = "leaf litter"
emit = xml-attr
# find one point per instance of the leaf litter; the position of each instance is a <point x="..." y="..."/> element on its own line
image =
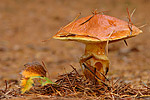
<point x="74" y="85"/>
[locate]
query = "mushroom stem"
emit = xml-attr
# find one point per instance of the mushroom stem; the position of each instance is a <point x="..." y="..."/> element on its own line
<point x="95" y="48"/>
<point x="95" y="57"/>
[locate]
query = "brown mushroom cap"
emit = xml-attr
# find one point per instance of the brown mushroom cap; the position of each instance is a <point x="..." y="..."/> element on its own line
<point x="97" y="28"/>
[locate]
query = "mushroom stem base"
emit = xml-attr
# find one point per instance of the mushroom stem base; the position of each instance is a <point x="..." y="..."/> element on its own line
<point x="96" y="61"/>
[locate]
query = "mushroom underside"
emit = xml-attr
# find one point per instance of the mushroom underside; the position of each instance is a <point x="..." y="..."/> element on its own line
<point x="90" y="39"/>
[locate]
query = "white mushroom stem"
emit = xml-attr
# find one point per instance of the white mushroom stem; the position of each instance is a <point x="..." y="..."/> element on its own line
<point x="95" y="57"/>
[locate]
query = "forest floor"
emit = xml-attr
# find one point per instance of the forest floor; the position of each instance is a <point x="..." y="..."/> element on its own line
<point x="25" y="23"/>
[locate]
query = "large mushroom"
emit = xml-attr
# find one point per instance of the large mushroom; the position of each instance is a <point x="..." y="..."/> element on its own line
<point x="95" y="31"/>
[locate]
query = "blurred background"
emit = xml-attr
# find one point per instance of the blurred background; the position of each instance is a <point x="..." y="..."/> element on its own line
<point x="25" y="23"/>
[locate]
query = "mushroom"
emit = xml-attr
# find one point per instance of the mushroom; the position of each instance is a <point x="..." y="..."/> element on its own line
<point x="95" y="31"/>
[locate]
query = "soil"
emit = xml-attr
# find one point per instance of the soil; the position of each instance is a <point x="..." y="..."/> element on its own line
<point x="24" y="24"/>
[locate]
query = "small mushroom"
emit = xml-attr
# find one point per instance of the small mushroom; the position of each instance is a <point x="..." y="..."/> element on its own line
<point x="95" y="31"/>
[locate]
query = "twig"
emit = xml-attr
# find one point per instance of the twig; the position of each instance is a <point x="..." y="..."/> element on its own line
<point x="142" y="26"/>
<point x="87" y="20"/>
<point x="130" y="22"/>
<point x="73" y="20"/>
<point x="47" y="39"/>
<point x="133" y="12"/>
<point x="145" y="85"/>
<point x="6" y="85"/>
<point x="74" y="69"/>
<point x="126" y="42"/>
<point x="102" y="75"/>
<point x="94" y="13"/>
<point x="52" y="88"/>
<point x="108" y="42"/>
<point x="96" y="76"/>
<point x="46" y="69"/>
